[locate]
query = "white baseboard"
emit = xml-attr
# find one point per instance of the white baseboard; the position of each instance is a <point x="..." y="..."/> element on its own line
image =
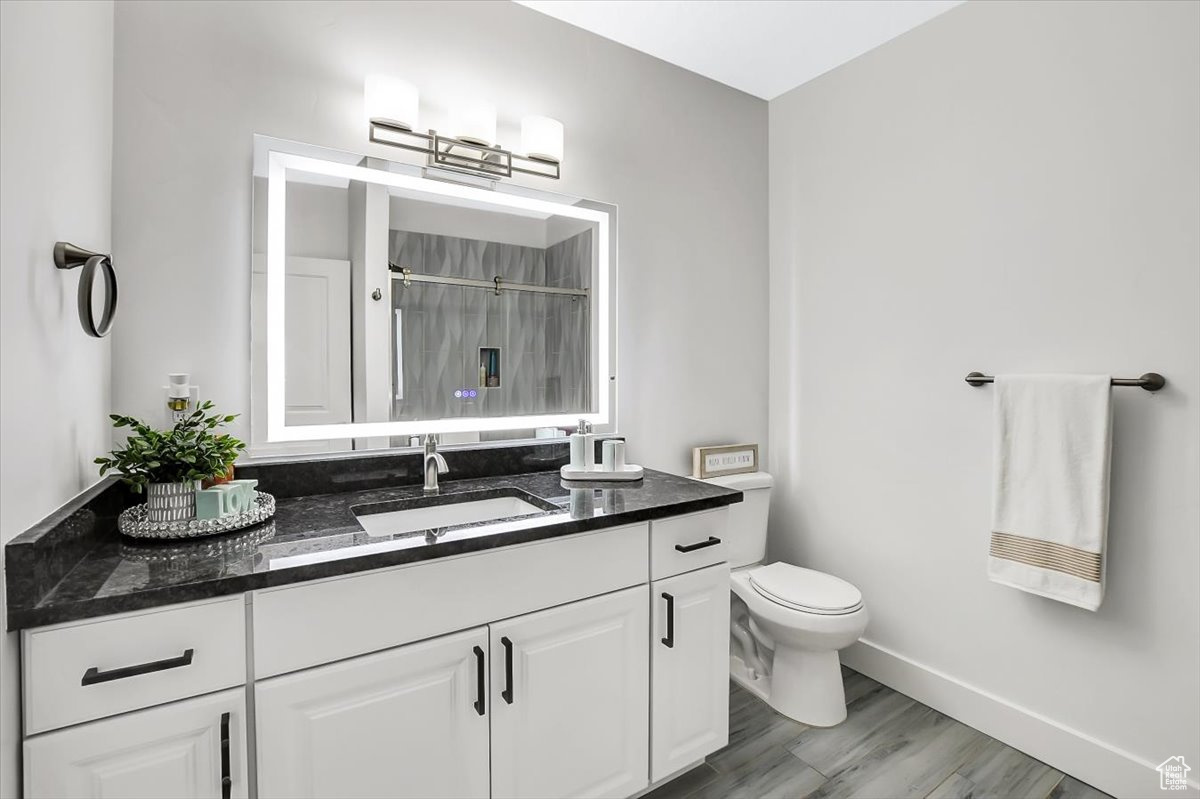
<point x="1100" y="764"/>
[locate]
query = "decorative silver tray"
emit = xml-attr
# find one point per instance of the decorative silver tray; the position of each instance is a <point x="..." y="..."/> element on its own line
<point x="216" y="552"/>
<point x="133" y="522"/>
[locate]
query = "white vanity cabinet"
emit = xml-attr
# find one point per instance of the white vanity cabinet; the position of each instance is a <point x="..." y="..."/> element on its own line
<point x="570" y="701"/>
<point x="587" y="665"/>
<point x="564" y="713"/>
<point x="689" y="682"/>
<point x="181" y="670"/>
<point x="183" y="750"/>
<point x="408" y="722"/>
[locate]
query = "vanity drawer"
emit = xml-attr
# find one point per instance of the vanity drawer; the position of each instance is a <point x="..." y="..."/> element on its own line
<point x="683" y="543"/>
<point x="306" y="625"/>
<point x="87" y="670"/>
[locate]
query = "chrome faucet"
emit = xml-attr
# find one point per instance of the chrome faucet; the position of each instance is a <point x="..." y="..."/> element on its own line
<point x="435" y="464"/>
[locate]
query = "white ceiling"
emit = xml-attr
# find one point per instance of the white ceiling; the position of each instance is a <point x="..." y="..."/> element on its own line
<point x="763" y="47"/>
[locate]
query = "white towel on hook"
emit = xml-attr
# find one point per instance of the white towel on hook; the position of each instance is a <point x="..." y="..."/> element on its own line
<point x="1050" y="494"/>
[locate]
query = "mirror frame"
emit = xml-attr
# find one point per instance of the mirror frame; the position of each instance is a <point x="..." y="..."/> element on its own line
<point x="300" y="157"/>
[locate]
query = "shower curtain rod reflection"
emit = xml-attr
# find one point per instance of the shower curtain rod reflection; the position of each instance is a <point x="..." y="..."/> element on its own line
<point x="496" y="284"/>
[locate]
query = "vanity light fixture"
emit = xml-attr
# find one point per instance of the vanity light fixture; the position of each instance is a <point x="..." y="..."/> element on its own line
<point x="475" y="123"/>
<point x="391" y="107"/>
<point x="391" y="100"/>
<point x="542" y="138"/>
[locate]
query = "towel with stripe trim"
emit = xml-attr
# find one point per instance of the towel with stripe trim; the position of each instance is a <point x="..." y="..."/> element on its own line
<point x="1050" y="493"/>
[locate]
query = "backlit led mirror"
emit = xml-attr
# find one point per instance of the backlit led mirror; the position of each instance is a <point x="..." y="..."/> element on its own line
<point x="389" y="300"/>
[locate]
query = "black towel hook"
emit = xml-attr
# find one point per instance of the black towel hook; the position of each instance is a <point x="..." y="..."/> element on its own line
<point x="68" y="256"/>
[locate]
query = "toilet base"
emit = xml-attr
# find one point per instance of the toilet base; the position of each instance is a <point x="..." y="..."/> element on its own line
<point x="812" y="691"/>
<point x="807" y="686"/>
<point x="759" y="685"/>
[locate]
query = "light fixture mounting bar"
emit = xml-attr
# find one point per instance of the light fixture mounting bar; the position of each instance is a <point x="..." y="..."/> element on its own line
<point x="466" y="156"/>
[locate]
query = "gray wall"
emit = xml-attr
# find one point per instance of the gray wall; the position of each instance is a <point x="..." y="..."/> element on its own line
<point x="1009" y="187"/>
<point x="56" y="185"/>
<point x="194" y="81"/>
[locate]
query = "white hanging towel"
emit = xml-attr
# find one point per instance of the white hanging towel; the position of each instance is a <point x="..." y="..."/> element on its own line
<point x="1050" y="495"/>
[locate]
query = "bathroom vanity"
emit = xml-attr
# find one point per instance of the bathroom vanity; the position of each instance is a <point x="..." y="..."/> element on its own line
<point x="513" y="635"/>
<point x="580" y="649"/>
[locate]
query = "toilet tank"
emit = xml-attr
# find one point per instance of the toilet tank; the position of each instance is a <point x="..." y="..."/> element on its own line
<point x="747" y="539"/>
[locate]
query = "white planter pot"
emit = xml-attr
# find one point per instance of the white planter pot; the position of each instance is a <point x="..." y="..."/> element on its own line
<point x="171" y="502"/>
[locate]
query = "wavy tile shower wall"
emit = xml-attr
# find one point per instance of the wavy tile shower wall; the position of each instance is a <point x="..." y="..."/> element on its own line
<point x="542" y="338"/>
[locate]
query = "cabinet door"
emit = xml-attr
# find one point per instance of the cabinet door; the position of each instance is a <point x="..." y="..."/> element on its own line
<point x="570" y="701"/>
<point x="689" y="687"/>
<point x="173" y="751"/>
<point x="406" y="722"/>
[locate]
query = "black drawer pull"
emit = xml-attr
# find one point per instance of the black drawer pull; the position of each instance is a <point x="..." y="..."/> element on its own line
<point x="480" y="686"/>
<point x="670" y="639"/>
<point x="94" y="675"/>
<point x="711" y="542"/>
<point x="507" y="693"/>
<point x="226" y="779"/>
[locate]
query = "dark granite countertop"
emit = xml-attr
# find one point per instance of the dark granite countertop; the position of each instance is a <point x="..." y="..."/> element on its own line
<point x="91" y="570"/>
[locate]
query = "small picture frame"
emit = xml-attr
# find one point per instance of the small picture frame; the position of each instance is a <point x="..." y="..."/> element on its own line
<point x="724" y="460"/>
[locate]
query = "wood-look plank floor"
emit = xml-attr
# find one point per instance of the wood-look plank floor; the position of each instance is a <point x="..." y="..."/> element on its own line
<point x="889" y="746"/>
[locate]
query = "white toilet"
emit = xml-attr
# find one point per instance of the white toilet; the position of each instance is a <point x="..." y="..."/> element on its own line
<point x="787" y="623"/>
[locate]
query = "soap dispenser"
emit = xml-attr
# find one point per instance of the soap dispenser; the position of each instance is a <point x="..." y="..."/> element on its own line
<point x="583" y="448"/>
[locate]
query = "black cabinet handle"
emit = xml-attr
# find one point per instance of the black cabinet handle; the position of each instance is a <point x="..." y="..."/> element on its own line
<point x="480" y="686"/>
<point x="226" y="779"/>
<point x="670" y="639"/>
<point x="508" y="676"/>
<point x="94" y="675"/>
<point x="711" y="542"/>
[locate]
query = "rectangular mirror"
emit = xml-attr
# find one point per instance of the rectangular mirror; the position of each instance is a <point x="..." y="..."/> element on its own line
<point x="390" y="300"/>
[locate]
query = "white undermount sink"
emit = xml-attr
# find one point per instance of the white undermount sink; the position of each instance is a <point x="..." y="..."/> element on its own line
<point x="443" y="514"/>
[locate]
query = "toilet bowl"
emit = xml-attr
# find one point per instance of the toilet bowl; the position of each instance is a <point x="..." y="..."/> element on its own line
<point x="787" y="623"/>
<point x="785" y="648"/>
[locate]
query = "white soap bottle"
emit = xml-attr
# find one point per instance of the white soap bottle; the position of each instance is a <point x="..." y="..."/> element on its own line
<point x="583" y="448"/>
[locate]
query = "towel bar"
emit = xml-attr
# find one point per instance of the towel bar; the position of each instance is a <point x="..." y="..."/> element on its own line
<point x="1151" y="381"/>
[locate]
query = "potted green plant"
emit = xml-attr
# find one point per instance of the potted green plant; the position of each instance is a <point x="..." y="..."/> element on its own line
<point x="168" y="464"/>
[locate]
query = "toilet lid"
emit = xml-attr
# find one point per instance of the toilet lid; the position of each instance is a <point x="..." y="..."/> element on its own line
<point x="805" y="589"/>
